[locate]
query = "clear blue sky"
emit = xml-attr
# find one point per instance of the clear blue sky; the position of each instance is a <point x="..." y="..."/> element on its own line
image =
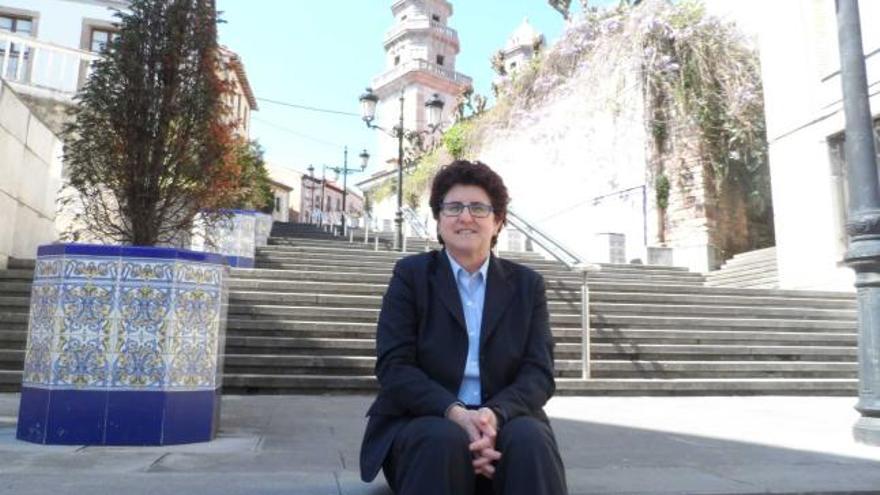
<point x="324" y="53"/>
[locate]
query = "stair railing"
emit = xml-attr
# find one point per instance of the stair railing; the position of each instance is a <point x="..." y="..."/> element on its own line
<point x="574" y="263"/>
<point x="417" y="225"/>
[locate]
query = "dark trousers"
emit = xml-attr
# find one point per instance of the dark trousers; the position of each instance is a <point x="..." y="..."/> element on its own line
<point x="430" y="456"/>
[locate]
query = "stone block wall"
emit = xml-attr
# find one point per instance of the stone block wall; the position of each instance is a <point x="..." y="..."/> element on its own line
<point x="30" y="177"/>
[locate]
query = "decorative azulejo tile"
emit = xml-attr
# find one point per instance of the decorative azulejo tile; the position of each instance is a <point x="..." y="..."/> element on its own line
<point x="196" y="312"/>
<point x="144" y="311"/>
<point x="192" y="366"/>
<point x="44" y="310"/>
<point x="200" y="274"/>
<point x="81" y="363"/>
<point x="87" y="307"/>
<point x="139" y="366"/>
<point x="147" y="271"/>
<point x="38" y="359"/>
<point x="48" y="268"/>
<point x="96" y="269"/>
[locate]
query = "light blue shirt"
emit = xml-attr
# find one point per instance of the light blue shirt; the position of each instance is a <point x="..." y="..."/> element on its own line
<point x="472" y="290"/>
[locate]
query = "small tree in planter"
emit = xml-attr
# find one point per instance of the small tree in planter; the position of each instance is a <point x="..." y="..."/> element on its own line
<point x="151" y="145"/>
<point x="124" y="342"/>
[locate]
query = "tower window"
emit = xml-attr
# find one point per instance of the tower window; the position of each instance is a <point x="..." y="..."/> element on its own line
<point x="403" y="17"/>
<point x="435" y="17"/>
<point x="396" y="59"/>
<point x="440" y="59"/>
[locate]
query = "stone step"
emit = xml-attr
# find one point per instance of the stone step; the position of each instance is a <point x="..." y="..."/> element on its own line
<point x="254" y="304"/>
<point x="619" y="350"/>
<point x="242" y="278"/>
<point x="274" y="312"/>
<point x="733" y="277"/>
<point x="326" y="329"/>
<point x="364" y="366"/>
<point x="845" y="308"/>
<point x="256" y="383"/>
<point x="16" y="275"/>
<point x="21" y="264"/>
<point x="345" y="259"/>
<point x="386" y="270"/>
<point x="10" y="381"/>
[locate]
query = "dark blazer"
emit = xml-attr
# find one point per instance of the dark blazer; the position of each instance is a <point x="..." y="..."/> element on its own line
<point x="422" y="343"/>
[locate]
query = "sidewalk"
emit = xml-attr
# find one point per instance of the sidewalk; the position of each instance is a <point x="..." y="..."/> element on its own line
<point x="618" y="445"/>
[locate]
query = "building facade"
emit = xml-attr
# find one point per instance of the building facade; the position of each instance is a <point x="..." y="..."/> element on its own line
<point x="805" y="123"/>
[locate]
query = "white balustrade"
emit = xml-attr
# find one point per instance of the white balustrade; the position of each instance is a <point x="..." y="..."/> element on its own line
<point x="416" y="65"/>
<point x="36" y="63"/>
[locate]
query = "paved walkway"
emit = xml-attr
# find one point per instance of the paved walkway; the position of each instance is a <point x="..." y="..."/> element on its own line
<point x="309" y="445"/>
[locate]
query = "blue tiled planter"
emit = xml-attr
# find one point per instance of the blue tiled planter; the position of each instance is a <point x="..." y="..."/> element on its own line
<point x="233" y="237"/>
<point x="263" y="228"/>
<point x="124" y="346"/>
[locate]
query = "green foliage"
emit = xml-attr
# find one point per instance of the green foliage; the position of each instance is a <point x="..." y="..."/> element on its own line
<point x="255" y="189"/>
<point x="150" y="143"/>
<point x="699" y="71"/>
<point x="661" y="188"/>
<point x="456" y="139"/>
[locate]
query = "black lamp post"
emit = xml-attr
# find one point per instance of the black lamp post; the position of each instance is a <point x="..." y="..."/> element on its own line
<point x="344" y="170"/>
<point x="368" y="111"/>
<point x="863" y="215"/>
<point x="311" y="170"/>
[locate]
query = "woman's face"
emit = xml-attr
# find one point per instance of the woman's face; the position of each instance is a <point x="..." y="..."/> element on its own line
<point x="465" y="235"/>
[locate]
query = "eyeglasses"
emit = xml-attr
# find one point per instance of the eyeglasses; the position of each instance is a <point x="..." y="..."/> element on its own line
<point x="477" y="210"/>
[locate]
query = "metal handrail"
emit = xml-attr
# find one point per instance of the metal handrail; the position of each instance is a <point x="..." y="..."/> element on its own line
<point x="420" y="228"/>
<point x="573" y="262"/>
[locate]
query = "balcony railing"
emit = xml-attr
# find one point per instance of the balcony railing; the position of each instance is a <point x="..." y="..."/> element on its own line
<point x="420" y="65"/>
<point x="418" y="25"/>
<point x="43" y="65"/>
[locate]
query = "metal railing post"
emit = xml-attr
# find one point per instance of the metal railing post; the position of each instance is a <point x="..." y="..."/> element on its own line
<point x="366" y="232"/>
<point x="375" y="243"/>
<point x="404" y="244"/>
<point x="585" y="326"/>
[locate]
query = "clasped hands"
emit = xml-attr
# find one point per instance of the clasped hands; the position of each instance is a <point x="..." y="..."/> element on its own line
<point x="481" y="426"/>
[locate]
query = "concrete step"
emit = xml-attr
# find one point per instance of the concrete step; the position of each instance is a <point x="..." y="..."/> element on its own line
<point x="21" y="264"/>
<point x="682" y="319"/>
<point x="255" y="303"/>
<point x="620" y="350"/>
<point x="364" y="366"/>
<point x="366" y="330"/>
<point x="256" y="383"/>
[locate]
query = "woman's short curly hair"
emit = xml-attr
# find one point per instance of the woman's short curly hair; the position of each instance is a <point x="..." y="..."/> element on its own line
<point x="463" y="172"/>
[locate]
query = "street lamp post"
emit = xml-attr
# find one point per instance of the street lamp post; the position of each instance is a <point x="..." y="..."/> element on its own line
<point x="368" y="111"/>
<point x="863" y="216"/>
<point x="311" y="170"/>
<point x="344" y="170"/>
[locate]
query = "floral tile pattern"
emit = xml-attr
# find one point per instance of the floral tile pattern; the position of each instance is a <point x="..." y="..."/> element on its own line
<point x="117" y="323"/>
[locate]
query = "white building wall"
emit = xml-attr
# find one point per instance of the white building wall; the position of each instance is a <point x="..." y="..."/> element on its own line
<point x="62" y="21"/>
<point x="30" y="176"/>
<point x="803" y="98"/>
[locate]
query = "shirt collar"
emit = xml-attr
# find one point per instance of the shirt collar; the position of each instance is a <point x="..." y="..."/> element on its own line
<point x="456" y="268"/>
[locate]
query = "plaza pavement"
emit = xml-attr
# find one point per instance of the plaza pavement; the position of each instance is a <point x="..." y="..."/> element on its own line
<point x="617" y="445"/>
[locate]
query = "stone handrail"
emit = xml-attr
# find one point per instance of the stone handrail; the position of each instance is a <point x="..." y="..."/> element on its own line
<point x="32" y="62"/>
<point x="574" y="263"/>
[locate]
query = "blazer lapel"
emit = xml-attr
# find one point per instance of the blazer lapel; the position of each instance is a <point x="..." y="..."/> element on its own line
<point x="498" y="295"/>
<point x="446" y="289"/>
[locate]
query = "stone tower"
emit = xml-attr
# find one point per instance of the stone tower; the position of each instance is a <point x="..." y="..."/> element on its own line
<point x="420" y="58"/>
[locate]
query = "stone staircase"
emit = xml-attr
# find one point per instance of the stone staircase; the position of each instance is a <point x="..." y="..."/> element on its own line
<point x="752" y="270"/>
<point x="304" y="321"/>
